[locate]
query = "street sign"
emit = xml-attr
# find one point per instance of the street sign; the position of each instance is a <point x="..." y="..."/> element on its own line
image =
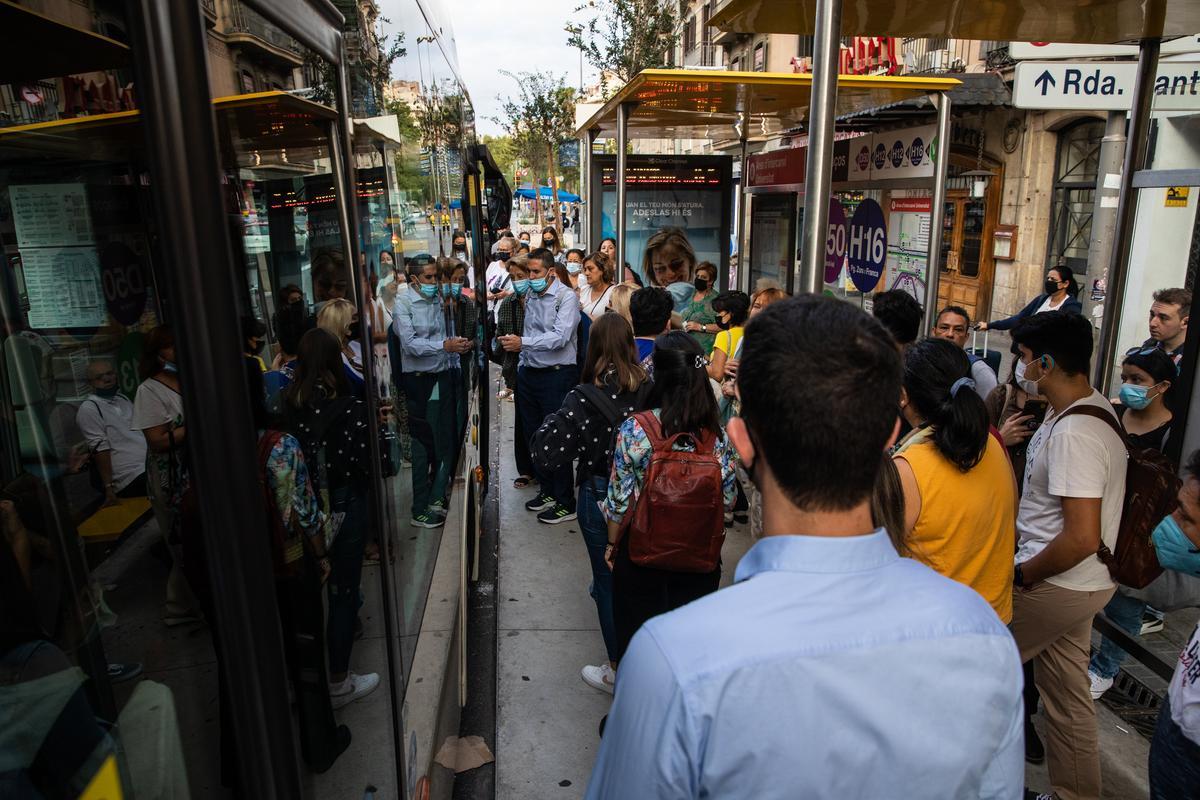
<point x="866" y="245"/>
<point x="835" y="242"/>
<point x="1102" y="85"/>
<point x="1022" y="51"/>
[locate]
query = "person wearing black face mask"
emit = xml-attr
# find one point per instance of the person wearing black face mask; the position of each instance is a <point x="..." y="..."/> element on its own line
<point x="118" y="451"/>
<point x="253" y="332"/>
<point x="551" y="243"/>
<point x="1059" y="293"/>
<point x="699" y="319"/>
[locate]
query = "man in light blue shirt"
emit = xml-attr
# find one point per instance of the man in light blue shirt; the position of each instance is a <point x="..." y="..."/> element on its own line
<point x="832" y="667"/>
<point x="426" y="350"/>
<point x="546" y="371"/>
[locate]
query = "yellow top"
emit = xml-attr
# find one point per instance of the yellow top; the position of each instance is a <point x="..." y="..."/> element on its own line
<point x="728" y="341"/>
<point x="967" y="526"/>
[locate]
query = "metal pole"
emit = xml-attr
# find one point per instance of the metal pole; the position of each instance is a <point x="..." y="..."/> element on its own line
<point x="1135" y="155"/>
<point x="622" y="214"/>
<point x="594" y="196"/>
<point x="170" y="55"/>
<point x="937" y="213"/>
<point x="743" y="239"/>
<point x="1104" y="214"/>
<point x="821" y="110"/>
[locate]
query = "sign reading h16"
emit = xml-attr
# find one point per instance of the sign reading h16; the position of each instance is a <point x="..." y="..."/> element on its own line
<point x="1102" y="85"/>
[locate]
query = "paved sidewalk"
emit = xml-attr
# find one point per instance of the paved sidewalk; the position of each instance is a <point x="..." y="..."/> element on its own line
<point x="547" y="717"/>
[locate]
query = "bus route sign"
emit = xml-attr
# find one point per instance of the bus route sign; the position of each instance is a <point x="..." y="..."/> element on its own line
<point x="866" y="245"/>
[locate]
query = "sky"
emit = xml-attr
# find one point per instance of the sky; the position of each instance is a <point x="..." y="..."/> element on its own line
<point x="514" y="35"/>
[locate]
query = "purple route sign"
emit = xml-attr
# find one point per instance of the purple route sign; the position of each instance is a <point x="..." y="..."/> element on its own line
<point x="835" y="242"/>
<point x="867" y="245"/>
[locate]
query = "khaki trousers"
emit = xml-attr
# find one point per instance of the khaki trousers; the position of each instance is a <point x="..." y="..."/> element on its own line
<point x="1053" y="627"/>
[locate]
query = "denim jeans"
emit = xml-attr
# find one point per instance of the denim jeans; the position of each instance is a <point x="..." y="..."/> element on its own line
<point x="345" y="574"/>
<point x="1126" y="613"/>
<point x="1174" y="760"/>
<point x="540" y="392"/>
<point x="594" y="528"/>
<point x="431" y="425"/>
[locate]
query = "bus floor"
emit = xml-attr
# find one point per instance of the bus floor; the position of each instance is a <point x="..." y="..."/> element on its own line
<point x="182" y="658"/>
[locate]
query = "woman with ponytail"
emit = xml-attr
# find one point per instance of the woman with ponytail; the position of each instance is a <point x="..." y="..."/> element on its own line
<point x="960" y="497"/>
<point x="681" y="402"/>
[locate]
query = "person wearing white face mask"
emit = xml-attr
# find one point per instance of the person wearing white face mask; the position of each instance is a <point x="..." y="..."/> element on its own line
<point x="575" y="267"/>
<point x="1073" y="500"/>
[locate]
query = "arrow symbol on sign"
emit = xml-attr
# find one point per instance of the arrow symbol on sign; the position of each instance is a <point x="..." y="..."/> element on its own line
<point x="1045" y="81"/>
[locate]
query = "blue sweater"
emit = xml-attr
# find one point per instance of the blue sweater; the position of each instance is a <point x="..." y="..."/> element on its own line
<point x="1071" y="306"/>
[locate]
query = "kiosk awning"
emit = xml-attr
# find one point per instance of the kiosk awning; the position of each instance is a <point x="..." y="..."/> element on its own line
<point x="1096" y="21"/>
<point x="693" y="104"/>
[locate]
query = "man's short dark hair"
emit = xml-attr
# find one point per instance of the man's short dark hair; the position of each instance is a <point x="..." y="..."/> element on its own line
<point x="543" y="255"/>
<point x="1176" y="297"/>
<point x="958" y="310"/>
<point x="820" y="387"/>
<point x="899" y="313"/>
<point x="650" y="309"/>
<point x="1065" y="337"/>
<point x="734" y="303"/>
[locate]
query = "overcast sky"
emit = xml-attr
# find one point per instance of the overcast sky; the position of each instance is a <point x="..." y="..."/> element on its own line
<point x="516" y="35"/>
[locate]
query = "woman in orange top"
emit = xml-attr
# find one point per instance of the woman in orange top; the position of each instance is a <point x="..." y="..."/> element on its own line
<point x="959" y="494"/>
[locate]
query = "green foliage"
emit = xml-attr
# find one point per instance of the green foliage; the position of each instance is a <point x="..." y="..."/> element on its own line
<point x="623" y="37"/>
<point x="538" y="119"/>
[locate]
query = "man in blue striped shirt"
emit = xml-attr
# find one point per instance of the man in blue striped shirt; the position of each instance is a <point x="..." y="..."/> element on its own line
<point x="420" y="324"/>
<point x="832" y="668"/>
<point x="546" y="371"/>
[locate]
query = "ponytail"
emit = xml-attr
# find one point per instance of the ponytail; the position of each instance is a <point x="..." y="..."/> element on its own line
<point x="937" y="380"/>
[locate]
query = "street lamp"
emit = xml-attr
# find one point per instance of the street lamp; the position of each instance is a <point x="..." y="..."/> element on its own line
<point x="577" y="30"/>
<point x="978" y="178"/>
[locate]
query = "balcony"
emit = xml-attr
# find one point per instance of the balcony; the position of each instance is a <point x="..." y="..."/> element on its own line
<point x="704" y="56"/>
<point x="29" y="103"/>
<point x="936" y="56"/>
<point x="209" y="7"/>
<point x="247" y="27"/>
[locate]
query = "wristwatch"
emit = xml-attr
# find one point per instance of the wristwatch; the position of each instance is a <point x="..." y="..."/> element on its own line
<point x="1018" y="577"/>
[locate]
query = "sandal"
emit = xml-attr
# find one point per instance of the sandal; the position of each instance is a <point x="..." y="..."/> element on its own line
<point x="522" y="482"/>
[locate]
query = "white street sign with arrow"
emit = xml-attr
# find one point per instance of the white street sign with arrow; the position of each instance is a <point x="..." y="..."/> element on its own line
<point x="1102" y="85"/>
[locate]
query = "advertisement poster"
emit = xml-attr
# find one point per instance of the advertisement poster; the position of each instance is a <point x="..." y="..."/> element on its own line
<point x="908" y="245"/>
<point x="64" y="287"/>
<point x="686" y="192"/>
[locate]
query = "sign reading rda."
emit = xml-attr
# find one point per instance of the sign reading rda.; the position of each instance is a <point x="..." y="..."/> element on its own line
<point x="1102" y="85"/>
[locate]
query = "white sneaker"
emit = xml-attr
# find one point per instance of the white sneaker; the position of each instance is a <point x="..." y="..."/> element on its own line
<point x="1099" y="685"/>
<point x="601" y="677"/>
<point x="354" y="687"/>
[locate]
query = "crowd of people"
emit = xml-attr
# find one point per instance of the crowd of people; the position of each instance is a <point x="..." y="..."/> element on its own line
<point x="917" y="522"/>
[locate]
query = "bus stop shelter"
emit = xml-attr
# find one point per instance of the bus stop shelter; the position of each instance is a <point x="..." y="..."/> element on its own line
<point x="1145" y="22"/>
<point x="746" y="107"/>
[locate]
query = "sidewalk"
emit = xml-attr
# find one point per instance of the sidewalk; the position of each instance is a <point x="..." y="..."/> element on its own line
<point x="547" y="717"/>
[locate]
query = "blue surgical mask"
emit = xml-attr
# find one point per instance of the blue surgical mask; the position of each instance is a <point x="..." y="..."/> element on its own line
<point x="574" y="267"/>
<point x="171" y="367"/>
<point x="445" y="290"/>
<point x="1134" y="396"/>
<point x="455" y="290"/>
<point x="1175" y="550"/>
<point x="428" y="290"/>
<point x="521" y="286"/>
<point x="539" y="284"/>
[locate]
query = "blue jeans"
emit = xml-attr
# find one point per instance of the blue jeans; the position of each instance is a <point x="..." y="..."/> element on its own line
<point x="1125" y="613"/>
<point x="595" y="536"/>
<point x="540" y="392"/>
<point x="1174" y="761"/>
<point x="345" y="574"/>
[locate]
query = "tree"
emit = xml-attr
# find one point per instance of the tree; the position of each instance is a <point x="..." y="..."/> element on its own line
<point x="624" y="37"/>
<point x="538" y="119"/>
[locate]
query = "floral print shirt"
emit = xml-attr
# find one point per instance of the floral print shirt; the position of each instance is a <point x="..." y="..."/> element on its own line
<point x="288" y="482"/>
<point x="631" y="458"/>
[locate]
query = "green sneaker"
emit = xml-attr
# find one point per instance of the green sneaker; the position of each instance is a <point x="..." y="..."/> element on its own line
<point x="427" y="519"/>
<point x="438" y="507"/>
<point x="556" y="514"/>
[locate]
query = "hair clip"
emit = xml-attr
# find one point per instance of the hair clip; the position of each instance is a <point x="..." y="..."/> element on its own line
<point x="701" y="362"/>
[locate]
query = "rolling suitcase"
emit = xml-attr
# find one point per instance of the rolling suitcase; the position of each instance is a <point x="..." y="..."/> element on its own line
<point x="990" y="357"/>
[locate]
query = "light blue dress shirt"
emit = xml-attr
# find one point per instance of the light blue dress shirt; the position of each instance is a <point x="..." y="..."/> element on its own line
<point x="551" y="327"/>
<point x="421" y="326"/>
<point x="832" y="668"/>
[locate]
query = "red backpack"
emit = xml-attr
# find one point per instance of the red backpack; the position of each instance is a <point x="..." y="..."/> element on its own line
<point x="678" y="521"/>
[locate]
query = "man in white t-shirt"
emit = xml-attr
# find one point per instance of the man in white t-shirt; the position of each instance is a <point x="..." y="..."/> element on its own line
<point x="1074" y="494"/>
<point x="106" y="419"/>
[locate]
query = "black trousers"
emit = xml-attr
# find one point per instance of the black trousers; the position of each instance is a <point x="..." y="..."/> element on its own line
<point x="640" y="593"/>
